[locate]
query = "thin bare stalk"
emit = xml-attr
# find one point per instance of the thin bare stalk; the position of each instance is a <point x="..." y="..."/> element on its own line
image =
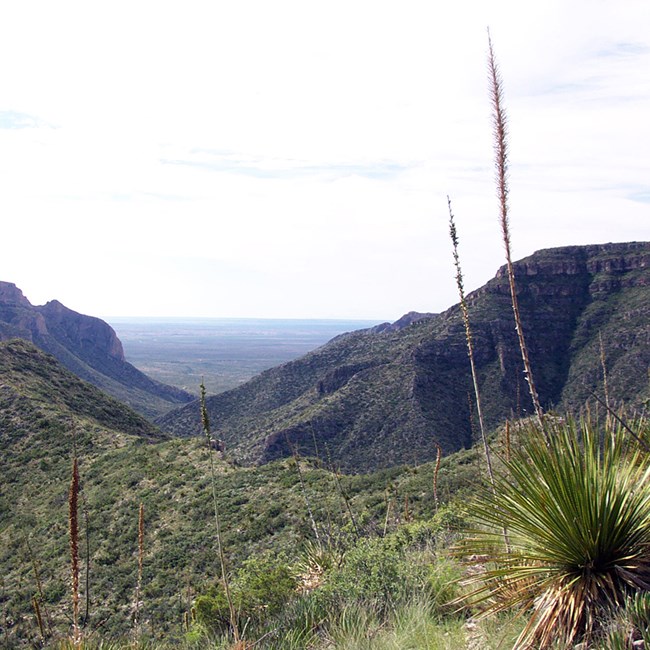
<point x="435" y="476"/>
<point x="5" y="622"/>
<point x="387" y="513"/>
<point x="73" y="509"/>
<point x="87" y="531"/>
<point x="138" y="587"/>
<point x="217" y="521"/>
<point x="622" y="422"/>
<point x="603" y="365"/>
<point x="316" y="450"/>
<point x="501" y="163"/>
<point x="39" y="618"/>
<point x="468" y="337"/>
<point x="303" y="489"/>
<point x="39" y="584"/>
<point x="342" y="493"/>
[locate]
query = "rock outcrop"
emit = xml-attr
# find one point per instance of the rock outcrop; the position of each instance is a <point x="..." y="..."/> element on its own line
<point x="88" y="347"/>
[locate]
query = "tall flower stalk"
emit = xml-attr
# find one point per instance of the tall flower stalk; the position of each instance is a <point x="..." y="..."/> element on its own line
<point x="500" y="129"/>
<point x="138" y="587"/>
<point x="453" y="233"/>
<point x="73" y="511"/>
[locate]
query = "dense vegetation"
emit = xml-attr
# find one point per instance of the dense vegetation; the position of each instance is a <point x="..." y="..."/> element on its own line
<point x="315" y="559"/>
<point x="47" y="413"/>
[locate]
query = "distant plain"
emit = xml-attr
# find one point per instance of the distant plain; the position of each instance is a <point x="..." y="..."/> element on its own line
<point x="225" y="352"/>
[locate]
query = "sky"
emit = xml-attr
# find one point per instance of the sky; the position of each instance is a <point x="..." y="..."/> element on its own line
<point x="292" y="159"/>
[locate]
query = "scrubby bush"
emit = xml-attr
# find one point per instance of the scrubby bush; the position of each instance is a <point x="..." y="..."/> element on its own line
<point x="260" y="589"/>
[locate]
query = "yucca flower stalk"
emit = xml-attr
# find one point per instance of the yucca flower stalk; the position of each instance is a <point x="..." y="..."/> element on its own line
<point x="205" y="421"/>
<point x="577" y="509"/>
<point x="500" y="131"/>
<point x="39" y="586"/>
<point x="138" y="586"/>
<point x="39" y="618"/>
<point x="453" y="233"/>
<point x="87" y="535"/>
<point x="436" y="472"/>
<point x="303" y="489"/>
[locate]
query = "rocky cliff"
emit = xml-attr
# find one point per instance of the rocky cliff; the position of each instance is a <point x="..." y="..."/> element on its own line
<point x="387" y="396"/>
<point x="88" y="347"/>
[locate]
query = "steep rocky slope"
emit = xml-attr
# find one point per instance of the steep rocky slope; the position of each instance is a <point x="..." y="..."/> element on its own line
<point x="381" y="397"/>
<point x="88" y="347"/>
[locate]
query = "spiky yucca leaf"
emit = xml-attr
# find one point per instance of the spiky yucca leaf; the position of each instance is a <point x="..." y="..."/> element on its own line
<point x="577" y="508"/>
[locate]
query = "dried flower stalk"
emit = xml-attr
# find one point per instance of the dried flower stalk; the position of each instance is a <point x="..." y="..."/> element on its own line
<point x="501" y="163"/>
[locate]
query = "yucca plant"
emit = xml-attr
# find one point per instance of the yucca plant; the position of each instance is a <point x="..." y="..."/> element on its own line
<point x="577" y="508"/>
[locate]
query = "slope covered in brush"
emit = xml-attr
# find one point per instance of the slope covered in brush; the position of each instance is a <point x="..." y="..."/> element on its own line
<point x="88" y="347"/>
<point x="377" y="398"/>
<point x="46" y="413"/>
<point x="37" y="393"/>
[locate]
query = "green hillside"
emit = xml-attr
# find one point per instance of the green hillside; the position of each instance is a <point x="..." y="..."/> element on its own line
<point x="123" y="461"/>
<point x="88" y="347"/>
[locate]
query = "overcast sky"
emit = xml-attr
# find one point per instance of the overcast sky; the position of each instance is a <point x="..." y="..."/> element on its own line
<point x="292" y="159"/>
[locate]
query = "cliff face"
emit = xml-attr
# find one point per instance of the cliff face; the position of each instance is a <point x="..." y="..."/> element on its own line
<point x="386" y="396"/>
<point x="88" y="347"/>
<point x="88" y="336"/>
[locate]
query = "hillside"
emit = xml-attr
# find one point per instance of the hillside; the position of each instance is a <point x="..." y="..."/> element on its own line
<point x="38" y="393"/>
<point x="88" y="347"/>
<point x="45" y="411"/>
<point x="382" y="397"/>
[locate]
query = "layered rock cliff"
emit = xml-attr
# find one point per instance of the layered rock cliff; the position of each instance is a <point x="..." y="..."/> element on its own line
<point x="387" y="396"/>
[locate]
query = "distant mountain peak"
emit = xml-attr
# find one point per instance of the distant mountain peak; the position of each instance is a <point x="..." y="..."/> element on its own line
<point x="10" y="294"/>
<point x="402" y="322"/>
<point x="87" y="346"/>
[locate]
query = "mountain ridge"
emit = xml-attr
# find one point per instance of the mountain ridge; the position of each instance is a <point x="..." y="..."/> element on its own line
<point x="382" y="398"/>
<point x="88" y="347"/>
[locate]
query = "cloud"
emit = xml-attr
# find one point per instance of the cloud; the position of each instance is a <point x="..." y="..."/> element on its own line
<point x="276" y="168"/>
<point x="16" y="120"/>
<point x="624" y="50"/>
<point x="310" y="146"/>
<point x="640" y="196"/>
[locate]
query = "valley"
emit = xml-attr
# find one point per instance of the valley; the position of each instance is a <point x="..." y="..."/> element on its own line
<point x="336" y="488"/>
<point x="225" y="352"/>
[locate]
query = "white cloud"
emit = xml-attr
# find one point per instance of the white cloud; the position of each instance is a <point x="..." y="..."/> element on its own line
<point x="293" y="158"/>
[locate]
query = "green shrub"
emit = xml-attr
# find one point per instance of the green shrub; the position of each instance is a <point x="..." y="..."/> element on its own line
<point x="374" y="570"/>
<point x="263" y="585"/>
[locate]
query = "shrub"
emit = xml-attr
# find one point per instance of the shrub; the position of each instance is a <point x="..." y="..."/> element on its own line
<point x="373" y="571"/>
<point x="260" y="590"/>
